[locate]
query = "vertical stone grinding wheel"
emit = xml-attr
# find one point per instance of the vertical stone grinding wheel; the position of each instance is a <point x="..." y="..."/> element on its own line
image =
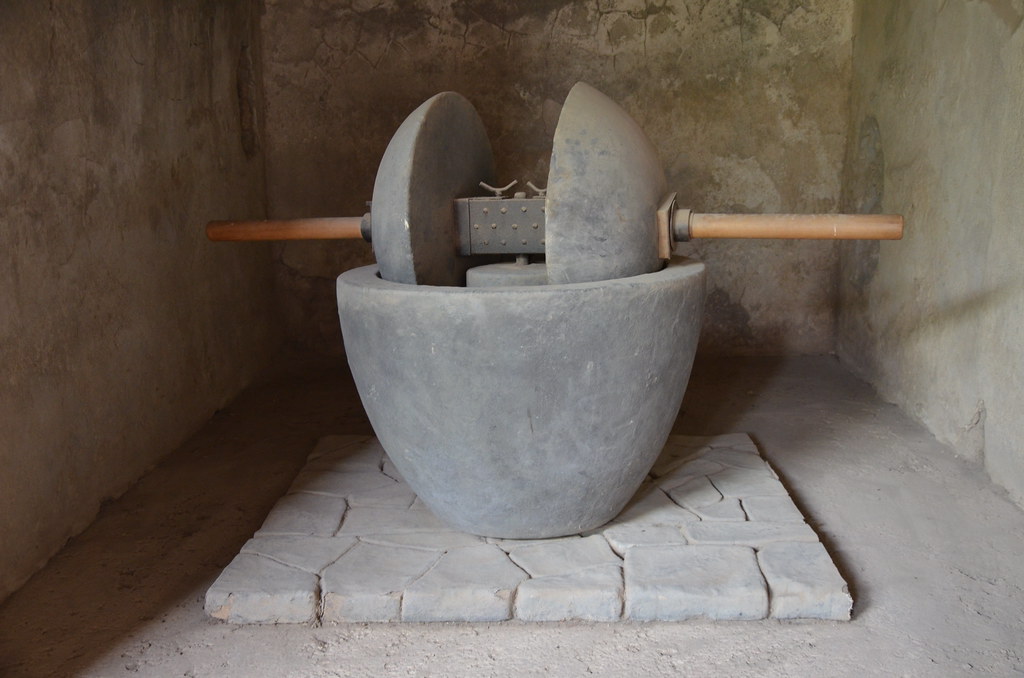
<point x="439" y="153"/>
<point x="604" y="187"/>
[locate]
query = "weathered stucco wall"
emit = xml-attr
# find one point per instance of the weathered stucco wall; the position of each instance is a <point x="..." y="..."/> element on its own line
<point x="121" y="328"/>
<point x="746" y="101"/>
<point x="937" y="320"/>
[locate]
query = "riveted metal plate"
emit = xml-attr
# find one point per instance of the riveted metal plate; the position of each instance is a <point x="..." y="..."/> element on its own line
<point x="501" y="225"/>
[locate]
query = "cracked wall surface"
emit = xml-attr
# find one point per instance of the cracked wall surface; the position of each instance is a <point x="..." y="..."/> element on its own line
<point x="746" y="103"/>
<point x="122" y="129"/>
<point x="935" y="321"/>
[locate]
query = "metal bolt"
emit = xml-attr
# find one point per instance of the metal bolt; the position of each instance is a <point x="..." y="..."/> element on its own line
<point x="486" y="242"/>
<point x="502" y="242"/>
<point x="515" y="226"/>
<point x="494" y="225"/>
<point x="523" y="242"/>
<point x="523" y="208"/>
<point x="486" y="210"/>
<point x="503" y="210"/>
<point x="476" y="226"/>
<point x="536" y="225"/>
<point x="541" y="242"/>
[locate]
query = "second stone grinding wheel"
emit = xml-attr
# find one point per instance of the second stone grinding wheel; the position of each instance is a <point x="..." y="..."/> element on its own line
<point x="439" y="153"/>
<point x="604" y="187"/>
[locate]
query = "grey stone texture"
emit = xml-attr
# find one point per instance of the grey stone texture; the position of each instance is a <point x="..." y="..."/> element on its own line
<point x="772" y="509"/>
<point x="803" y="582"/>
<point x="253" y="589"/>
<point x="304" y="514"/>
<point x="754" y="534"/>
<point x="625" y="536"/>
<point x="540" y="445"/>
<point x="673" y="583"/>
<point x="473" y="584"/>
<point x="651" y="506"/>
<point x="604" y="172"/>
<point x="307" y="552"/>
<point x="731" y="557"/>
<point x="368" y="582"/>
<point x="412" y="219"/>
<point x="695" y="493"/>
<point x="563" y="555"/>
<point x="506" y="274"/>
<point x="591" y="594"/>
<point x="360" y="521"/>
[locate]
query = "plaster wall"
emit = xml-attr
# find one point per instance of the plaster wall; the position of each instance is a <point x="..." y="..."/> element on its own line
<point x="746" y="101"/>
<point x="123" y="127"/>
<point x="936" y="321"/>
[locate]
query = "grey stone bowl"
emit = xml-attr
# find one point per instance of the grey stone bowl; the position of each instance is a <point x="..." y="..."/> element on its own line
<point x="523" y="412"/>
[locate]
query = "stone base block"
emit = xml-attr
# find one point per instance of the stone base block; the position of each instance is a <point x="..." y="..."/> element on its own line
<point x="712" y="534"/>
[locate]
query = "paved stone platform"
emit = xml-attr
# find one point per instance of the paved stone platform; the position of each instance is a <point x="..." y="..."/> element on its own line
<point x="711" y="534"/>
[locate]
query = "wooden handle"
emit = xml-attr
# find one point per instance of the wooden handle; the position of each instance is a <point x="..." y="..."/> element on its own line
<point x="289" y="229"/>
<point x="686" y="225"/>
<point x="813" y="226"/>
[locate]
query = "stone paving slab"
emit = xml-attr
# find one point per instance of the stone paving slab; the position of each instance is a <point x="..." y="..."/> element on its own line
<point x="305" y="514"/>
<point x="309" y="553"/>
<point x="674" y="583"/>
<point x="368" y="582"/>
<point x="563" y="556"/>
<point x="623" y="537"/>
<point x="257" y="590"/>
<point x="712" y="534"/>
<point x="474" y="583"/>
<point x="803" y="582"/>
<point x="590" y="594"/>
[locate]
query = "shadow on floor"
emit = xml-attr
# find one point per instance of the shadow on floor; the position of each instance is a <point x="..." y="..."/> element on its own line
<point x="162" y="543"/>
<point x="721" y="391"/>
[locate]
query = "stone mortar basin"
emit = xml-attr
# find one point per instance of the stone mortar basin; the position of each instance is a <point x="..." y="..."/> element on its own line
<point x="523" y="412"/>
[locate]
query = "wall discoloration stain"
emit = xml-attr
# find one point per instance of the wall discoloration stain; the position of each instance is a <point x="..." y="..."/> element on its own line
<point x="863" y="193"/>
<point x="723" y="312"/>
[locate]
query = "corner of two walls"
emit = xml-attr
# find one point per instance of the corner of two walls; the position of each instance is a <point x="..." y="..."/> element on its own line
<point x="746" y="103"/>
<point x="121" y="328"/>
<point x="936" y="321"/>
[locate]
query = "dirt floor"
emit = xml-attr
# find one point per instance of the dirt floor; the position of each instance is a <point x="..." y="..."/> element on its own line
<point x="934" y="554"/>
